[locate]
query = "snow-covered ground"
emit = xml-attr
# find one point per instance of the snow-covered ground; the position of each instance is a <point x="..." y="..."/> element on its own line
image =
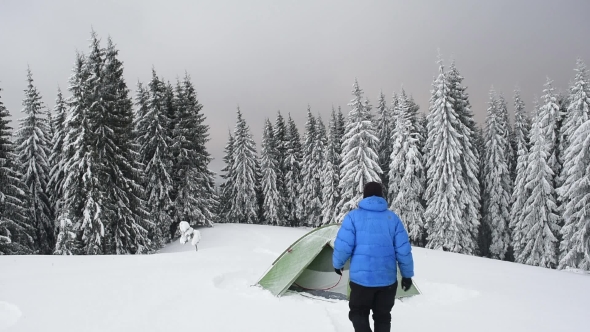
<point x="181" y="289"/>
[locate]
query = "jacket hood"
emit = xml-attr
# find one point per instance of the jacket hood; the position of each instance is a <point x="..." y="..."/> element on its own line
<point x="373" y="203"/>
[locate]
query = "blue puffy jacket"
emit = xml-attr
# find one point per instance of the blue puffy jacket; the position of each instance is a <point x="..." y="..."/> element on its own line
<point x="374" y="239"/>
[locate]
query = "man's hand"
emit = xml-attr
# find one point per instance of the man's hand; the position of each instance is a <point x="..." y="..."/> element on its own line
<point x="338" y="271"/>
<point x="406" y="284"/>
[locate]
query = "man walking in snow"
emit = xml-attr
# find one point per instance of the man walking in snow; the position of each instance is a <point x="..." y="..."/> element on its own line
<point x="375" y="240"/>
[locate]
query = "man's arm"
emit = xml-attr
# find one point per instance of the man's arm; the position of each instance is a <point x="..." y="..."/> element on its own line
<point x="344" y="243"/>
<point x="403" y="251"/>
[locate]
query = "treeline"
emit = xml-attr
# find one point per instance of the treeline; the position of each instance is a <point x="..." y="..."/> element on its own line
<point x="518" y="192"/>
<point x="105" y="173"/>
<point x="93" y="176"/>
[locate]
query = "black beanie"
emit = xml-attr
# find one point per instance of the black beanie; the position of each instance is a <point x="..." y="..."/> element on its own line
<point x="372" y="189"/>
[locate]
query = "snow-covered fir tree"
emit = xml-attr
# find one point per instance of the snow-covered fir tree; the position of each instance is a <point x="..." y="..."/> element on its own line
<point x="33" y="150"/>
<point x="574" y="193"/>
<point x="418" y="118"/>
<point x="280" y="137"/>
<point x="406" y="177"/>
<point x="292" y="168"/>
<point x="273" y="207"/>
<point x="154" y="148"/>
<point x="102" y="190"/>
<point x="195" y="194"/>
<point x="550" y="127"/>
<point x="309" y="206"/>
<point x="483" y="236"/>
<point x="445" y="205"/>
<point x="306" y="192"/>
<point x="496" y="194"/>
<point x="331" y="173"/>
<point x="50" y="135"/>
<point x="360" y="162"/>
<point x="171" y="106"/>
<point x="319" y="156"/>
<point x="83" y="181"/>
<point x="502" y="107"/>
<point x="242" y="183"/>
<point x="423" y="131"/>
<point x="520" y="193"/>
<point x="575" y="113"/>
<point x="340" y="130"/>
<point x="120" y="189"/>
<point x="75" y="151"/>
<point x="225" y="211"/>
<point x="56" y="158"/>
<point x="142" y="97"/>
<point x="539" y="220"/>
<point x="470" y="194"/>
<point x="384" y="127"/>
<point x="16" y="234"/>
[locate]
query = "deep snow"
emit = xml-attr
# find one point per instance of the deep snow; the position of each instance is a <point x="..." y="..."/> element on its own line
<point x="210" y="290"/>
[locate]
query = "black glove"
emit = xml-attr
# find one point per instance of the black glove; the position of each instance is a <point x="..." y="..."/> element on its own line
<point x="338" y="271"/>
<point x="406" y="284"/>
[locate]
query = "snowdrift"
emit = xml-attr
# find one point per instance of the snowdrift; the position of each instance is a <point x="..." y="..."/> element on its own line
<point x="211" y="290"/>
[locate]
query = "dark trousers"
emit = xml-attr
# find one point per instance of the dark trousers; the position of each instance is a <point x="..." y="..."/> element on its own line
<point x="364" y="299"/>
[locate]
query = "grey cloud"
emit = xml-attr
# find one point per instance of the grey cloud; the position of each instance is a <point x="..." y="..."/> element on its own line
<point x="283" y="55"/>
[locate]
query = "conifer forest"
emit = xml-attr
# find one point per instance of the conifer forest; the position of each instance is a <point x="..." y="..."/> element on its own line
<point x="113" y="169"/>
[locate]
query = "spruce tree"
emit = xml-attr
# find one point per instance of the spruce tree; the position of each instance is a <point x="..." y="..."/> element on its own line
<point x="423" y="130"/>
<point x="196" y="196"/>
<point x="226" y="210"/>
<point x="539" y="221"/>
<point x="484" y="232"/>
<point x="92" y="223"/>
<point x="340" y="130"/>
<point x="16" y="234"/>
<point x="550" y="127"/>
<point x="155" y="156"/>
<point x="124" y="207"/>
<point x="172" y="104"/>
<point x="76" y="154"/>
<point x="339" y="138"/>
<point x="418" y="119"/>
<point x="56" y="158"/>
<point x="445" y="205"/>
<point x="520" y="193"/>
<point x="319" y="156"/>
<point x="575" y="113"/>
<point x="309" y="207"/>
<point x="305" y="191"/>
<point x="502" y="107"/>
<point x="293" y="171"/>
<point x="360" y="162"/>
<point x="280" y="136"/>
<point x="242" y="185"/>
<point x="32" y="149"/>
<point x="103" y="196"/>
<point x="496" y="203"/>
<point x="273" y="206"/>
<point x="384" y="128"/>
<point x="573" y="194"/>
<point x="470" y="194"/>
<point x="331" y="173"/>
<point x="406" y="178"/>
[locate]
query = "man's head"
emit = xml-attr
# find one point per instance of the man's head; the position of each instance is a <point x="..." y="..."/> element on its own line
<point x="373" y="189"/>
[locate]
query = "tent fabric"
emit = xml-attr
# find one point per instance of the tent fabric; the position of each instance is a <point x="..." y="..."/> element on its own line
<point x="307" y="266"/>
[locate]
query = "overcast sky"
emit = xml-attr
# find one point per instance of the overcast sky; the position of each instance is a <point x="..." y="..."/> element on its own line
<point x="283" y="55"/>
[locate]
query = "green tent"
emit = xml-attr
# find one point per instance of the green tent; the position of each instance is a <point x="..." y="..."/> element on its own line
<point x="307" y="266"/>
